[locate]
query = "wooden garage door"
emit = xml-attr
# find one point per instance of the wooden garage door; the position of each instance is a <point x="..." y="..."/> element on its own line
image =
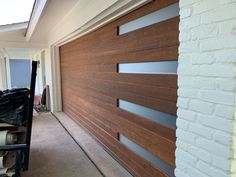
<point x="120" y="84"/>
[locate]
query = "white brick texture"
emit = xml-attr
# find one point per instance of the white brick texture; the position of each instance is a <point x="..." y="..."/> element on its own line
<point x="206" y="123"/>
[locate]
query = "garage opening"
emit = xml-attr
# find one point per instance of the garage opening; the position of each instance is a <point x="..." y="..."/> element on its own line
<point x="120" y="84"/>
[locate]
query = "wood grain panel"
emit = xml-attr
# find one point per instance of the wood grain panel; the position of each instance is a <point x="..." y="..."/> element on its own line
<point x="148" y="38"/>
<point x="161" y="105"/>
<point x="129" y="158"/>
<point x="89" y="68"/>
<point x="133" y="131"/>
<point x="91" y="87"/>
<point x="157" y="54"/>
<point x="143" y="122"/>
<point x="162" y="93"/>
<point x="165" y="80"/>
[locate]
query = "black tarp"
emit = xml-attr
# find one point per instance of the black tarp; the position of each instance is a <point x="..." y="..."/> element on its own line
<point x="14" y="106"/>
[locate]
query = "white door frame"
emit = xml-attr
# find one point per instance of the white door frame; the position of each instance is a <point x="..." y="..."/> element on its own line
<point x="8" y="72"/>
<point x="3" y="73"/>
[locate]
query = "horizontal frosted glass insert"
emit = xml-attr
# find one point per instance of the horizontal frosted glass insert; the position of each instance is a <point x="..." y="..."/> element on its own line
<point x="151" y="114"/>
<point x="155" y="161"/>
<point x="149" y="67"/>
<point x="152" y="18"/>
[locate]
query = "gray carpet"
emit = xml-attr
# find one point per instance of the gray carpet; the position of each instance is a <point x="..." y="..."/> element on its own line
<point x="54" y="153"/>
<point x="108" y="166"/>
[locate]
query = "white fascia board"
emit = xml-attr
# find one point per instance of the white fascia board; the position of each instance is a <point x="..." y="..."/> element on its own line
<point x="35" y="16"/>
<point x="13" y="27"/>
<point x="72" y="26"/>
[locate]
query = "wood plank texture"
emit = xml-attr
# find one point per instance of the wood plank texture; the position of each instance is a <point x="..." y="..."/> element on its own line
<point x="91" y="87"/>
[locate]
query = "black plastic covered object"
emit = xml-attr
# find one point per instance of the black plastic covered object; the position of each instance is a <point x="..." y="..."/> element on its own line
<point x="14" y="106"/>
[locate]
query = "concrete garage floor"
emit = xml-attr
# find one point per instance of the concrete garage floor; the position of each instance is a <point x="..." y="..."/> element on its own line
<point x="56" y="151"/>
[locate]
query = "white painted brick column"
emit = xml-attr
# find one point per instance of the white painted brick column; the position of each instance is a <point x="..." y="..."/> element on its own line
<point x="206" y="124"/>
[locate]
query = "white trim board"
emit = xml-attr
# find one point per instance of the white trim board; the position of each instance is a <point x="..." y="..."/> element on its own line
<point x="13" y="27"/>
<point x="38" y="8"/>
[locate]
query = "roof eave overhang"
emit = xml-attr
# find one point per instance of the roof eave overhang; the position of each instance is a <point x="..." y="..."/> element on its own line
<point x="38" y="8"/>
